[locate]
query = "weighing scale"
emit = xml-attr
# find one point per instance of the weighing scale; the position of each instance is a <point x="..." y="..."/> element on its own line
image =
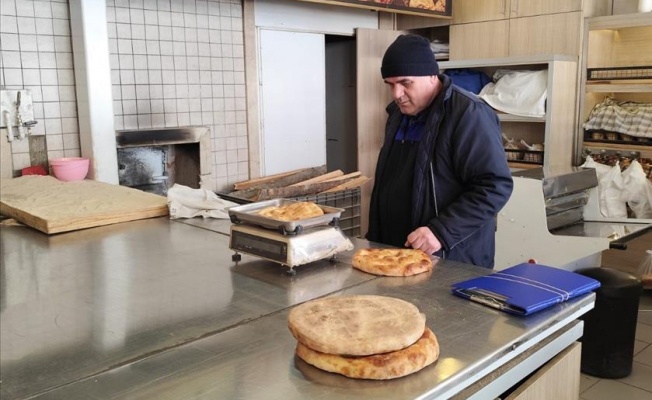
<point x="289" y="243"/>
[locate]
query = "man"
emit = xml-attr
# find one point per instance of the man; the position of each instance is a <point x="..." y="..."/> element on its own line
<point x="442" y="174"/>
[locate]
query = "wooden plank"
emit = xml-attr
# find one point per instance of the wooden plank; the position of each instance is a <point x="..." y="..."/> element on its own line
<point x="265" y="179"/>
<point x="53" y="206"/>
<point x="321" y="178"/>
<point x="298" y="176"/>
<point x="353" y="183"/>
<point x="294" y="191"/>
<point x="345" y="177"/>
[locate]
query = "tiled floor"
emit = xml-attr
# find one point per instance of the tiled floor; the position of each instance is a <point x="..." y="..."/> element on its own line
<point x="638" y="385"/>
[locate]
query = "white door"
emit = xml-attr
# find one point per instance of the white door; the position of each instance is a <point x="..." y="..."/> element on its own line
<point x="292" y="87"/>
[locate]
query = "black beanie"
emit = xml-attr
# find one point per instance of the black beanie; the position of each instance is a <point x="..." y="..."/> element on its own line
<point x="409" y="55"/>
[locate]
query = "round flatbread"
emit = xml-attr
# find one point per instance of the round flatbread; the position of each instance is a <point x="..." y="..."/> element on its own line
<point x="292" y="211"/>
<point x="356" y="325"/>
<point x="390" y="365"/>
<point x="392" y="262"/>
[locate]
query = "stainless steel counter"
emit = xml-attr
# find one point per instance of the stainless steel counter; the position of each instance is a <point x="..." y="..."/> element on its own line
<point x="157" y="309"/>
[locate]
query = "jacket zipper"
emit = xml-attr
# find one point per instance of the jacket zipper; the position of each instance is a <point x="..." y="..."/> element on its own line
<point x="434" y="195"/>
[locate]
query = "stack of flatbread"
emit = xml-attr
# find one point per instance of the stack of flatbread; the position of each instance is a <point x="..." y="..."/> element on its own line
<point x="364" y="337"/>
<point x="292" y="211"/>
<point x="392" y="262"/>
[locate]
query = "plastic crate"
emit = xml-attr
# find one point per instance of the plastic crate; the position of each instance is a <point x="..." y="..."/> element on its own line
<point x="349" y="200"/>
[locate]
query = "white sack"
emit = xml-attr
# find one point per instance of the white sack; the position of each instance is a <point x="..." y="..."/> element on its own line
<point x="637" y="190"/>
<point x="518" y="92"/>
<point x="610" y="185"/>
<point x="185" y="202"/>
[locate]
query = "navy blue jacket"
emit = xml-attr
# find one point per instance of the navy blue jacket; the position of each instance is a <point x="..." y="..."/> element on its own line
<point x="461" y="177"/>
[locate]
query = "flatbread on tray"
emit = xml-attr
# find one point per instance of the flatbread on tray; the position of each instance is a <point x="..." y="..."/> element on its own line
<point x="394" y="364"/>
<point x="392" y="262"/>
<point x="292" y="211"/>
<point x="357" y="325"/>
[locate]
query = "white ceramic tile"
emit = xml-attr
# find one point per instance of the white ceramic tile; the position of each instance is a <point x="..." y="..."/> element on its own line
<point x="54" y="142"/>
<point x="47" y="60"/>
<point x="66" y="77"/>
<point x="142" y="92"/>
<point x="158" y="120"/>
<point x="176" y="5"/>
<point x="61" y="27"/>
<point x="71" y="152"/>
<point x="138" y="32"/>
<point x="213" y="8"/>
<point x="60" y="11"/>
<point x="12" y="59"/>
<point x="164" y="18"/>
<point x="141" y="77"/>
<point x="26" y="25"/>
<point x="151" y="18"/>
<point x="182" y="105"/>
<point x="67" y="93"/>
<point x="157" y="106"/>
<point x="44" y="26"/>
<point x="71" y="141"/>
<point x="20" y="160"/>
<point x="123" y="31"/>
<point x="171" y="119"/>
<point x="50" y="93"/>
<point x="144" y="121"/>
<point x="124" y="46"/>
<point x="170" y="106"/>
<point x="8" y="24"/>
<point x="62" y="43"/>
<point x="139" y="46"/>
<point x="118" y="122"/>
<point x="122" y="15"/>
<point x="13" y="77"/>
<point x="136" y="4"/>
<point x="183" y="119"/>
<point x="131" y="122"/>
<point x="164" y="5"/>
<point x="143" y="107"/>
<point x="193" y="77"/>
<point x="28" y="42"/>
<point x="110" y="15"/>
<point x="137" y="16"/>
<point x="69" y="125"/>
<point x="129" y="107"/>
<point x="31" y="77"/>
<point x="42" y="9"/>
<point x="52" y="126"/>
<point x="126" y="77"/>
<point x="150" y="5"/>
<point x="45" y="43"/>
<point x="607" y="389"/>
<point x="64" y="60"/>
<point x="68" y="109"/>
<point x="24" y="9"/>
<point x="52" y="110"/>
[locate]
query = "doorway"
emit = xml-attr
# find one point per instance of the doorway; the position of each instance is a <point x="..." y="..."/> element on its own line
<point x="341" y="120"/>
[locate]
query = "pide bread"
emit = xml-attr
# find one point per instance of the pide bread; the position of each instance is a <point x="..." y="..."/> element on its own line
<point x="356" y="325"/>
<point x="392" y="262"/>
<point x="390" y="365"/>
<point x="292" y="211"/>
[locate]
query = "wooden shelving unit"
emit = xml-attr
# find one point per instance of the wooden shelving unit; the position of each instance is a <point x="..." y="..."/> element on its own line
<point x="615" y="41"/>
<point x="555" y="129"/>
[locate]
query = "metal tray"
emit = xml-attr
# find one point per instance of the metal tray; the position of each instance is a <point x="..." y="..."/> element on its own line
<point x="248" y="213"/>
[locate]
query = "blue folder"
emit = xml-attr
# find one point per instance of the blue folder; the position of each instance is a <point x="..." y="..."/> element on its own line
<point x="525" y="288"/>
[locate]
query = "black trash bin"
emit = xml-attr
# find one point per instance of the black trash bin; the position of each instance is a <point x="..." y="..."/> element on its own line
<point x="610" y="328"/>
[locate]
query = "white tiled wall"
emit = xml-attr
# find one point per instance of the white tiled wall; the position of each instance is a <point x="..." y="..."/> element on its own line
<point x="180" y="63"/>
<point x="173" y="62"/>
<point x="36" y="54"/>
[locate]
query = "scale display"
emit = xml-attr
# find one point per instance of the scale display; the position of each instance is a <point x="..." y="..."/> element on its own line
<point x="260" y="246"/>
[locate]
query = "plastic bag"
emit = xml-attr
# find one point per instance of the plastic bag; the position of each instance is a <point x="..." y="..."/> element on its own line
<point x="610" y="185"/>
<point x="637" y="190"/>
<point x="185" y="202"/>
<point x="645" y="270"/>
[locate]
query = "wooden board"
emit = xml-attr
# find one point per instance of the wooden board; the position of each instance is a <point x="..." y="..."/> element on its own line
<point x="52" y="206"/>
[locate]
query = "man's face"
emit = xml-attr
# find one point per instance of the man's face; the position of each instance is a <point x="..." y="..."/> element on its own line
<point x="412" y="93"/>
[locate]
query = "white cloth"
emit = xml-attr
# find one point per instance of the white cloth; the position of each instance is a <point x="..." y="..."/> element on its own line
<point x="518" y="92"/>
<point x="185" y="202"/>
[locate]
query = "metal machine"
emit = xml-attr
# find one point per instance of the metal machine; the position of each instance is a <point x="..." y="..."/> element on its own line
<point x="553" y="217"/>
<point x="289" y="243"/>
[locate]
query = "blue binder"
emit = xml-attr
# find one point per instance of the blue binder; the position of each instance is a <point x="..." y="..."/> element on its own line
<point x="525" y="288"/>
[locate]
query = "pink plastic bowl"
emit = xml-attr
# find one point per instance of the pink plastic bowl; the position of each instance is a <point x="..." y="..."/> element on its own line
<point x="70" y="168"/>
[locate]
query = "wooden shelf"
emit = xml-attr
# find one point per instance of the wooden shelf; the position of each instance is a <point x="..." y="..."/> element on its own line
<point x="616" y="87"/>
<point x="517" y="118"/>
<point x="645" y="151"/>
<point x="515" y="164"/>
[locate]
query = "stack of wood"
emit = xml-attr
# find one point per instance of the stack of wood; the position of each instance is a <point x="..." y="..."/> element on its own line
<point x="297" y="183"/>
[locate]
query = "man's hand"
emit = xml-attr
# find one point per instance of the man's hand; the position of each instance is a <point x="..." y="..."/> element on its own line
<point x="423" y="239"/>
